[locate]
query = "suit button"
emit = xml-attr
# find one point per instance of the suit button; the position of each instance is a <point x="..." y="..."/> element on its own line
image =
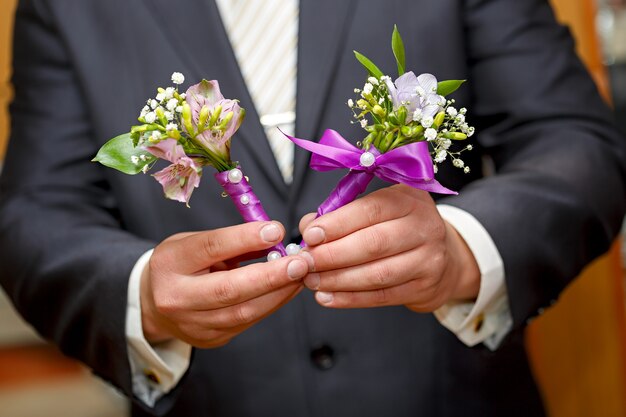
<point x="323" y="357"/>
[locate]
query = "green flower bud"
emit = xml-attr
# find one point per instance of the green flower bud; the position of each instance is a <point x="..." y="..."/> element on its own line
<point x="386" y="142"/>
<point x="455" y="135"/>
<point x="416" y="131"/>
<point x="378" y="139"/>
<point x="379" y="127"/>
<point x="369" y="139"/>
<point x="187" y="119"/>
<point x="401" y="115"/>
<point x="362" y="104"/>
<point x="174" y="134"/>
<point x="393" y="119"/>
<point x="160" y="114"/>
<point x="378" y="111"/>
<point x="140" y="129"/>
<point x="438" y="120"/>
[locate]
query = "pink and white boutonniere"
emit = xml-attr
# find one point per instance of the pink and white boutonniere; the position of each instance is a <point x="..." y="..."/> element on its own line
<point x="191" y="130"/>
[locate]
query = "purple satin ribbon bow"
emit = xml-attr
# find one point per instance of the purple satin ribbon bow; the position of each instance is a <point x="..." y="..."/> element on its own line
<point x="409" y="164"/>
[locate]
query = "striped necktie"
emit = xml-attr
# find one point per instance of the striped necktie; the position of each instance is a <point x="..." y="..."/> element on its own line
<point x="264" y="37"/>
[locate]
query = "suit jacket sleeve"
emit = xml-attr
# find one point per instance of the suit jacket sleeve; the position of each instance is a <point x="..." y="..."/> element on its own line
<point x="65" y="258"/>
<point x="558" y="197"/>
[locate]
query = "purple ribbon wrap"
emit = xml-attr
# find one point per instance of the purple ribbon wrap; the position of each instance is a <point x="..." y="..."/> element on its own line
<point x="246" y="201"/>
<point x="409" y="164"/>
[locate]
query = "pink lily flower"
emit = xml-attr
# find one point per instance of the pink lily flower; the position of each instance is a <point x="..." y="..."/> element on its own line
<point x="207" y="93"/>
<point x="180" y="178"/>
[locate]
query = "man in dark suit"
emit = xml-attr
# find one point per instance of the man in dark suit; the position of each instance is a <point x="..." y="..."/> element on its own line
<point x="71" y="231"/>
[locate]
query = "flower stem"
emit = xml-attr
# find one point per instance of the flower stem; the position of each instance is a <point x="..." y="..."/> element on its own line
<point x="347" y="190"/>
<point x="246" y="201"/>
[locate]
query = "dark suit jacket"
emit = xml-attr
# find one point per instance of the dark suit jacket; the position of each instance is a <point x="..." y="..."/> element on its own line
<point x="71" y="230"/>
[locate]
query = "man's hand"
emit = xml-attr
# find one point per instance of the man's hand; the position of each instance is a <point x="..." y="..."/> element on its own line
<point x="390" y="247"/>
<point x="190" y="292"/>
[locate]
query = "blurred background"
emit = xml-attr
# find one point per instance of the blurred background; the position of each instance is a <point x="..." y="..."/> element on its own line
<point x="577" y="348"/>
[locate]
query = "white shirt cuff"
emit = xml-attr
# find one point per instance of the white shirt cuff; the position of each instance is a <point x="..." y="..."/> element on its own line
<point x="155" y="369"/>
<point x="487" y="320"/>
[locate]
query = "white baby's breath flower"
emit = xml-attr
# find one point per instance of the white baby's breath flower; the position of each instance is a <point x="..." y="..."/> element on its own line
<point x="430" y="134"/>
<point x="357" y="91"/>
<point x="470" y="131"/>
<point x="469" y="147"/>
<point x="153" y="104"/>
<point x="381" y="100"/>
<point x="134" y="159"/>
<point x="441" y="156"/>
<point x="183" y="95"/>
<point x="160" y="97"/>
<point x="178" y="78"/>
<point x="168" y="115"/>
<point x="446" y="143"/>
<point x="463" y="110"/>
<point x="150" y="117"/>
<point x="466" y="170"/>
<point x="435" y="169"/>
<point x="172" y="104"/>
<point x="417" y="115"/>
<point x="169" y="92"/>
<point x="350" y="103"/>
<point x="363" y="123"/>
<point x="460" y="118"/>
<point x="179" y="109"/>
<point x="373" y="80"/>
<point x="156" y="135"/>
<point x="367" y="88"/>
<point x="171" y="126"/>
<point x="458" y="163"/>
<point x="143" y="157"/>
<point x="427" y="122"/>
<point x="385" y="78"/>
<point x="145" y="168"/>
<point x="452" y="111"/>
<point x="144" y="111"/>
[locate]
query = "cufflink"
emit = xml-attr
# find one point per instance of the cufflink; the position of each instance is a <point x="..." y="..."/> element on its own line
<point x="478" y="322"/>
<point x="151" y="376"/>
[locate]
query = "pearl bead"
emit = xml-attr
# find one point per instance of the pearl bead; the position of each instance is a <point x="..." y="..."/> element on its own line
<point x="367" y="159"/>
<point x="235" y="176"/>
<point x="274" y="255"/>
<point x="244" y="199"/>
<point x="292" y="249"/>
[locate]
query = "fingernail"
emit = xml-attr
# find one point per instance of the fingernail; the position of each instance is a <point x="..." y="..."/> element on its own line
<point x="312" y="281"/>
<point x="309" y="259"/>
<point x="324" y="297"/>
<point x="297" y="269"/>
<point x="270" y="233"/>
<point x="314" y="236"/>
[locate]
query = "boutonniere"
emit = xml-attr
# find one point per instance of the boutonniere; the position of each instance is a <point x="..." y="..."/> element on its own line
<point x="191" y="130"/>
<point x="410" y="127"/>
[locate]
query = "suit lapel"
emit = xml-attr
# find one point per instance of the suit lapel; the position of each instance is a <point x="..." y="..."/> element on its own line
<point x="324" y="25"/>
<point x="199" y="38"/>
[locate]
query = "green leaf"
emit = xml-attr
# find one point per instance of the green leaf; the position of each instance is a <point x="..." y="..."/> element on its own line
<point x="448" y="87"/>
<point x="118" y="154"/>
<point x="369" y="65"/>
<point x="398" y="49"/>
